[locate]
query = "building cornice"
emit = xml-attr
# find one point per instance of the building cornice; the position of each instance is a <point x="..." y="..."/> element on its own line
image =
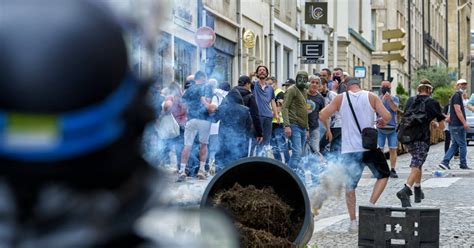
<point x="222" y="17"/>
<point x="287" y="28"/>
<point x="361" y="39"/>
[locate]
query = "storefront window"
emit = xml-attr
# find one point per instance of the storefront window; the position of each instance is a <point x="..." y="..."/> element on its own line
<point x="184" y="54"/>
<point x="161" y="56"/>
<point x="220" y="60"/>
<point x="223" y="69"/>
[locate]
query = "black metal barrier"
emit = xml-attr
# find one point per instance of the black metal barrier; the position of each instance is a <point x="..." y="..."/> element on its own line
<point x="398" y="227"/>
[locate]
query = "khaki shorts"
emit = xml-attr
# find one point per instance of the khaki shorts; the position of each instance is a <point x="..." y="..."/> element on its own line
<point x="197" y="127"/>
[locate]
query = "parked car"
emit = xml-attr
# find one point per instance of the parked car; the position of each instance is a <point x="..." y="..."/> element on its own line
<point x="470" y="120"/>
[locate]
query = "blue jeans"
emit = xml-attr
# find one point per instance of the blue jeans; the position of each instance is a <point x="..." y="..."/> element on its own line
<point x="335" y="147"/>
<point x="314" y="137"/>
<point x="213" y="147"/>
<point x="458" y="141"/>
<point x="298" y="139"/>
<point x="279" y="144"/>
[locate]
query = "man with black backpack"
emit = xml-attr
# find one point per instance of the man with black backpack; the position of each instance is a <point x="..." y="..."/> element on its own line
<point x="420" y="112"/>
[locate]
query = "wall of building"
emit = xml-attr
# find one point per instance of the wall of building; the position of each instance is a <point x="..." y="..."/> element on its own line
<point x="360" y="24"/>
<point x="177" y="51"/>
<point x="459" y="38"/>
<point x="256" y="17"/>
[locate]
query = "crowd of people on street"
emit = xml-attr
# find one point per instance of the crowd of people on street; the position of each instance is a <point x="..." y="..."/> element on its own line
<point x="312" y="114"/>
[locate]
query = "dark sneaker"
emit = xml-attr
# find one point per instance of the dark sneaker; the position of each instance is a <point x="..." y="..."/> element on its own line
<point x="464" y="167"/>
<point x="181" y="177"/>
<point x="393" y="173"/>
<point x="419" y="195"/>
<point x="444" y="167"/>
<point x="404" y="196"/>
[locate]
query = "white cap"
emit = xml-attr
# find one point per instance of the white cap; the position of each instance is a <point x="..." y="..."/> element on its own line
<point x="461" y="81"/>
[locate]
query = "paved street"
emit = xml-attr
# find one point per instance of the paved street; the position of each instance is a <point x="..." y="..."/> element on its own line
<point x="451" y="193"/>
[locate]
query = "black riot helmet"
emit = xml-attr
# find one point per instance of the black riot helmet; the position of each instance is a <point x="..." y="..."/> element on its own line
<point x="58" y="57"/>
<point x="70" y="101"/>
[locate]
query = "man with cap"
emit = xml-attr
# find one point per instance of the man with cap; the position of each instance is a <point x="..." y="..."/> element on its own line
<point x="289" y="82"/>
<point x="419" y="148"/>
<point x="295" y="117"/>
<point x="354" y="155"/>
<point x="265" y="97"/>
<point x="457" y="128"/>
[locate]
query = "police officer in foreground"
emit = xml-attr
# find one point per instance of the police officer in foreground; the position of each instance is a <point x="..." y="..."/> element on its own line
<point x="71" y="118"/>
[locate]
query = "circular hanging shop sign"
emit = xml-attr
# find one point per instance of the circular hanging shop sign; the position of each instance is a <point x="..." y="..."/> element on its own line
<point x="205" y="37"/>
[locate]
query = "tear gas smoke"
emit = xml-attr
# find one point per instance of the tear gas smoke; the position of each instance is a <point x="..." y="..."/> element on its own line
<point x="329" y="178"/>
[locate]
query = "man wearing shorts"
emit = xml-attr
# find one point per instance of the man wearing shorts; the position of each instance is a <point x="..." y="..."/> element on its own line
<point x="419" y="149"/>
<point x="354" y="155"/>
<point x="388" y="132"/>
<point x="198" y="101"/>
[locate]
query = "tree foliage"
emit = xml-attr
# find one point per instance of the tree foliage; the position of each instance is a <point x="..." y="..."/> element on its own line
<point x="402" y="95"/>
<point x="438" y="76"/>
<point x="401" y="90"/>
<point x="442" y="94"/>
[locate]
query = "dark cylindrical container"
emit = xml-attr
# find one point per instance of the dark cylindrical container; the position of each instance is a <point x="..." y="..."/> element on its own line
<point x="264" y="172"/>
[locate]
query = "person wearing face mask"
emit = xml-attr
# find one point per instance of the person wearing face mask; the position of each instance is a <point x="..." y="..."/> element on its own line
<point x="339" y="85"/>
<point x="457" y="128"/>
<point x="295" y="117"/>
<point x="388" y="132"/>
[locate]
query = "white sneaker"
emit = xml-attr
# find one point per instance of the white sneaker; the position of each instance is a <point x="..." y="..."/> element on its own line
<point x="212" y="167"/>
<point x="353" y="226"/>
<point x="201" y="175"/>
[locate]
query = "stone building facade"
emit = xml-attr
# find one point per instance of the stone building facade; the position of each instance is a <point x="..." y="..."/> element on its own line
<point x="433" y="37"/>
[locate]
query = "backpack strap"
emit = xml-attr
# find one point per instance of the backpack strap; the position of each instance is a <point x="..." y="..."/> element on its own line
<point x="352" y="110"/>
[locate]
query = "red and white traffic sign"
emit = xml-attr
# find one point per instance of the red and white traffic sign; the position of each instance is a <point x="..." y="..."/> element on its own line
<point x="205" y="37"/>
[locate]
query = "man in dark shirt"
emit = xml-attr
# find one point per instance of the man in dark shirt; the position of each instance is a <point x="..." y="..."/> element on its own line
<point x="198" y="101"/>
<point x="316" y="102"/>
<point x="419" y="149"/>
<point x="457" y="128"/>
<point x="447" y="134"/>
<point x="244" y="88"/>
